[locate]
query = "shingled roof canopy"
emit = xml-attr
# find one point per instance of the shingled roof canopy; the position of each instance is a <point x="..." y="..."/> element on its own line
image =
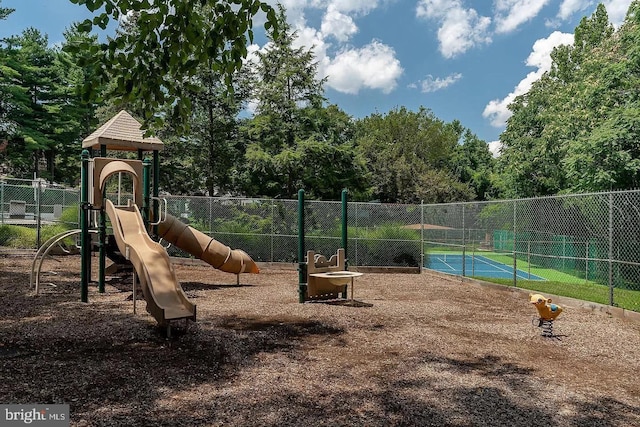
<point x="122" y="133"/>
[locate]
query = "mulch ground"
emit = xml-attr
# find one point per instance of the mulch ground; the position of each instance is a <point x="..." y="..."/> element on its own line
<point x="416" y="350"/>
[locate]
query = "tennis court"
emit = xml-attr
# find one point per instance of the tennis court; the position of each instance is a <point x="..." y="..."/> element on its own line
<point x="475" y="266"/>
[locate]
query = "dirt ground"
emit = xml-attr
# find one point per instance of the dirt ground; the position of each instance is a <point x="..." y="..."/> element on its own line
<point x="421" y="350"/>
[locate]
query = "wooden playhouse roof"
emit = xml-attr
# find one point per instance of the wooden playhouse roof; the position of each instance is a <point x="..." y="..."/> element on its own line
<point x="122" y="132"/>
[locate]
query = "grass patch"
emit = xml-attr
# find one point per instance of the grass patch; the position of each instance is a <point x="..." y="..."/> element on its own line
<point x="624" y="298"/>
<point x="558" y="283"/>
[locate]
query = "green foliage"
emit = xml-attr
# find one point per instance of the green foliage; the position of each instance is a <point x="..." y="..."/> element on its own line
<point x="388" y="244"/>
<point x="40" y="112"/>
<point x="473" y="163"/>
<point x="70" y="217"/>
<point x="243" y="223"/>
<point x="156" y="63"/>
<point x="5" y="12"/>
<point x="384" y="232"/>
<point x="17" y="237"/>
<point x="408" y="154"/>
<point x="294" y="141"/>
<point x="608" y="158"/>
<point x="576" y="129"/>
<point x="49" y="231"/>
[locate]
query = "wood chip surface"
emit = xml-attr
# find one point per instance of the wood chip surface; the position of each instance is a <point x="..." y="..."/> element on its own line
<point x="413" y="350"/>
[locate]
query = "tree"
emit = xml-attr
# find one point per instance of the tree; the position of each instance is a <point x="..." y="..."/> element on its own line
<point x="216" y="144"/>
<point x="5" y="12"/>
<point x="73" y="117"/>
<point x="287" y="82"/>
<point x="156" y="64"/>
<point x="609" y="158"/>
<point x="29" y="77"/>
<point x="295" y="141"/>
<point x="560" y="109"/>
<point x="7" y="126"/>
<point x="472" y="163"/>
<point x="408" y="154"/>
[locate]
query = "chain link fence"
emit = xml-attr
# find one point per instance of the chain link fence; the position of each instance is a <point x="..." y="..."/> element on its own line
<point x="31" y="211"/>
<point x="585" y="246"/>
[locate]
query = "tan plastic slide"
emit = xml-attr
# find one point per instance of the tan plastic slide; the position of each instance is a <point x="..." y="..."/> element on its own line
<point x="206" y="248"/>
<point x="165" y="298"/>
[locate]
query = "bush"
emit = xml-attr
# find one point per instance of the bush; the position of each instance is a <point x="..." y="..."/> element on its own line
<point x="70" y="217"/>
<point x="17" y="237"/>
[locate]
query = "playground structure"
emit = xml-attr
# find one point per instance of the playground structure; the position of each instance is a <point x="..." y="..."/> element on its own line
<point x="547" y="313"/>
<point x="132" y="224"/>
<point x="328" y="279"/>
<point x="319" y="278"/>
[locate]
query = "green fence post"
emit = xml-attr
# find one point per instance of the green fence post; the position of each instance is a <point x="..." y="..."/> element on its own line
<point x="515" y="263"/>
<point x="422" y="257"/>
<point x="84" y="227"/>
<point x="610" y="255"/>
<point x="344" y="229"/>
<point x="464" y="246"/>
<point x="302" y="266"/>
<point x="2" y="201"/>
<point x="345" y="235"/>
<point x="38" y="212"/>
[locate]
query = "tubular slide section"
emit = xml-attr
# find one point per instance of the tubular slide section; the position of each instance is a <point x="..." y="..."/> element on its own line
<point x="165" y="298"/>
<point x="206" y="248"/>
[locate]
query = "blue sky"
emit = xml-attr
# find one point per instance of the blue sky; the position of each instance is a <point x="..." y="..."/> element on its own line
<point x="462" y="59"/>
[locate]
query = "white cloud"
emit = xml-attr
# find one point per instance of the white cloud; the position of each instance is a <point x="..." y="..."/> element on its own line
<point x="431" y="84"/>
<point x="617" y="10"/>
<point x="496" y="111"/>
<point x="569" y="7"/>
<point x="357" y="6"/>
<point x="338" y="25"/>
<point x="512" y="13"/>
<point x="495" y="147"/>
<point x="348" y="69"/>
<point x="460" y="28"/>
<point x="372" y="66"/>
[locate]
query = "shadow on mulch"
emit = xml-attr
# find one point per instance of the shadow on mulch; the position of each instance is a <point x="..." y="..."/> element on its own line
<point x="127" y="365"/>
<point x="199" y="286"/>
<point x="342" y="302"/>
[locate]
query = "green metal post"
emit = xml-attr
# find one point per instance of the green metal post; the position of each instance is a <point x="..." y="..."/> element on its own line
<point x="38" y="194"/>
<point x="345" y="236"/>
<point x="146" y="170"/>
<point x="2" y="200"/>
<point x="156" y="189"/>
<point x="84" y="227"/>
<point x="302" y="266"/>
<point x="344" y="228"/>
<point x="102" y="231"/>
<point x="103" y="250"/>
